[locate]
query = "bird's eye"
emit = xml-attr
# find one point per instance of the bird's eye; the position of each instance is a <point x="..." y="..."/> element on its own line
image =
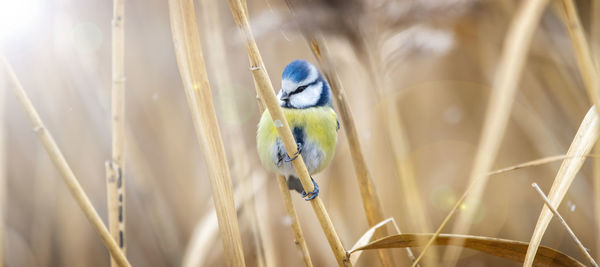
<point x="300" y="89"/>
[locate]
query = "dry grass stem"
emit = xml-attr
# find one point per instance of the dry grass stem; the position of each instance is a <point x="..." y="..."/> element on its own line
<point x="538" y="162"/>
<point x="190" y="61"/>
<point x="370" y="199"/>
<point x="582" y="144"/>
<point x="296" y="228"/>
<point x="212" y="32"/>
<point x="65" y="171"/>
<point x="115" y="183"/>
<point x="583" y="54"/>
<point x="205" y="232"/>
<point x="596" y="192"/>
<point x="3" y="173"/>
<point x="595" y="49"/>
<point x="564" y="223"/>
<point x="266" y="93"/>
<point x="512" y="61"/>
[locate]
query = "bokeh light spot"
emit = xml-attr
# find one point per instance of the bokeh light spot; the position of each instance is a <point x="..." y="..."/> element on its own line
<point x="87" y="37"/>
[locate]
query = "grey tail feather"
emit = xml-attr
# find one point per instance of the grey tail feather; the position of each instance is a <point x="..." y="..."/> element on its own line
<point x="294" y="184"/>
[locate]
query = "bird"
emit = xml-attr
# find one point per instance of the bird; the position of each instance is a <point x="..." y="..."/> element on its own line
<point x="306" y="100"/>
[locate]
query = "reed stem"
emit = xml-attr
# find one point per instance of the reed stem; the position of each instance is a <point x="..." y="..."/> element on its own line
<point x="369" y="196"/>
<point x="212" y="33"/>
<point x="266" y="93"/>
<point x="115" y="182"/>
<point x="64" y="169"/>
<point x="289" y="208"/>
<point x="3" y="173"/>
<point x="190" y="61"/>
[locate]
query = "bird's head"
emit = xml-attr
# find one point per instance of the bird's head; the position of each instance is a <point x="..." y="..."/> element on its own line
<point x="302" y="86"/>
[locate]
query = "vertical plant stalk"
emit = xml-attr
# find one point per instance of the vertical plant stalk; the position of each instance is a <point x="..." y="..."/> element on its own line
<point x="595" y="48"/>
<point x="204" y="235"/>
<point x="580" y="246"/>
<point x="583" y="54"/>
<point x="65" y="171"/>
<point x="217" y="59"/>
<point x="115" y="183"/>
<point x="370" y="199"/>
<point x="266" y="93"/>
<point x="190" y="61"/>
<point x="289" y="208"/>
<point x="300" y="241"/>
<point x="583" y="142"/>
<point x="2" y="168"/>
<point x="512" y="61"/>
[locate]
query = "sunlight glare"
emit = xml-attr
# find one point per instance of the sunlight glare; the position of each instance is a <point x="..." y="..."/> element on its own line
<point x="16" y="17"/>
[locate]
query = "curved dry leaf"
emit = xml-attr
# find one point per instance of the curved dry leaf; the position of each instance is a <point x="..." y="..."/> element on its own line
<point x="505" y="248"/>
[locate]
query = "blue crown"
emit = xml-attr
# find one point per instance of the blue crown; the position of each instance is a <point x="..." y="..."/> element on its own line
<point x="296" y="71"/>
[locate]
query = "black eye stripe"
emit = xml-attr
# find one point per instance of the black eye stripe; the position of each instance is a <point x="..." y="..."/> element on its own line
<point x="300" y="89"/>
<point x="303" y="87"/>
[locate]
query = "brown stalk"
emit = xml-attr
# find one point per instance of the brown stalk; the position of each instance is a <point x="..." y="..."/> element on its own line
<point x="583" y="142"/>
<point x="291" y="211"/>
<point x="514" y="55"/>
<point x="3" y="173"/>
<point x="266" y="93"/>
<point x="63" y="167"/>
<point x="115" y="184"/>
<point x="204" y="235"/>
<point x="370" y="199"/>
<point x="585" y="62"/>
<point x="595" y="47"/>
<point x="190" y="62"/>
<point x="217" y="59"/>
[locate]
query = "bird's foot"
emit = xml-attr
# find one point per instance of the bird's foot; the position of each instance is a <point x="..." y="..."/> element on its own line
<point x="313" y="194"/>
<point x="295" y="156"/>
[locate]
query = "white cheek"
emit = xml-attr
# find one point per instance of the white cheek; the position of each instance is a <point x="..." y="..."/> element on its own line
<point x="279" y="97"/>
<point x="309" y="97"/>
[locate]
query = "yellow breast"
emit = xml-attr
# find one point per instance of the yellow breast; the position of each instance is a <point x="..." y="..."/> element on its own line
<point x="319" y="125"/>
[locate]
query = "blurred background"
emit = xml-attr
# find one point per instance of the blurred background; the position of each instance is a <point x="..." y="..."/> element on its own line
<point x="432" y="60"/>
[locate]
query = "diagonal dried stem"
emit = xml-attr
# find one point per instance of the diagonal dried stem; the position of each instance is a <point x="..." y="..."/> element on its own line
<point x="190" y="61"/>
<point x="564" y="223"/>
<point x="63" y="167"/>
<point x="266" y="93"/>
<point x="582" y="144"/>
<point x="370" y="199"/>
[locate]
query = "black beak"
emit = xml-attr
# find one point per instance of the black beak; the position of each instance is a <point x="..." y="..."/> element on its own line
<point x="285" y="97"/>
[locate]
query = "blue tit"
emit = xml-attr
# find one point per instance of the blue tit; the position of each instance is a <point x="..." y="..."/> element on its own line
<point x="305" y="98"/>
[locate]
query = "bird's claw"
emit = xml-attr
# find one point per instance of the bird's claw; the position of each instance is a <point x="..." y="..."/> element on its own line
<point x="288" y="159"/>
<point x="313" y="194"/>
